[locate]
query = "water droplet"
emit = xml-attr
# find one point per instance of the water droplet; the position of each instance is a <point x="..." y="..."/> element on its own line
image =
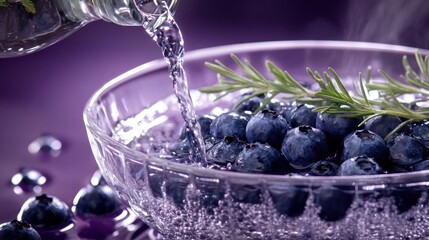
<point x="46" y="144"/>
<point x="28" y="180"/>
<point x="97" y="179"/>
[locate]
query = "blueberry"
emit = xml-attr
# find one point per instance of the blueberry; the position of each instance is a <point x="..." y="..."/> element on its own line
<point x="45" y="211"/>
<point x="405" y="198"/>
<point x="250" y="105"/>
<point x="383" y="125"/>
<point x="204" y="122"/>
<point x="246" y="193"/>
<point x="94" y="201"/>
<point x="323" y="168"/>
<point x="17" y="230"/>
<point x="286" y="111"/>
<point x="229" y="124"/>
<point x="304" y="145"/>
<point x="335" y="126"/>
<point x="277" y="105"/>
<point x="29" y="179"/>
<point x="420" y="166"/>
<point x="361" y="165"/>
<point x="211" y="194"/>
<point x="181" y="149"/>
<point x="267" y="127"/>
<point x="405" y="150"/>
<point x="260" y="158"/>
<point x="175" y="190"/>
<point x="421" y="130"/>
<point x="365" y="142"/>
<point x="303" y="114"/>
<point x="333" y="202"/>
<point x="289" y="200"/>
<point x="225" y="151"/>
<point x="155" y="184"/>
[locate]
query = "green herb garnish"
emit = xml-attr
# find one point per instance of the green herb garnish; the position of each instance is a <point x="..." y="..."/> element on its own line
<point x="27" y="4"/>
<point x="332" y="90"/>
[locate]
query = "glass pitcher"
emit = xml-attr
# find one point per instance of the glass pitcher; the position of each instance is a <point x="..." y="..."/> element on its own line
<point x="27" y="26"/>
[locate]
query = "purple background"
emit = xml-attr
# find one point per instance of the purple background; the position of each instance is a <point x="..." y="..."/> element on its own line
<point x="45" y="92"/>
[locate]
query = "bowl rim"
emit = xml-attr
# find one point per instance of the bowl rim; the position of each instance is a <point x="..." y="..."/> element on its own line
<point x="378" y="181"/>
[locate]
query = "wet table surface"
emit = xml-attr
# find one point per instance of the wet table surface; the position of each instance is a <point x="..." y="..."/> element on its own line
<point x="46" y="92"/>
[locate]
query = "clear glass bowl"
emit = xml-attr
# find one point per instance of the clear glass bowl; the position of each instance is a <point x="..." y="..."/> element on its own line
<point x="190" y="202"/>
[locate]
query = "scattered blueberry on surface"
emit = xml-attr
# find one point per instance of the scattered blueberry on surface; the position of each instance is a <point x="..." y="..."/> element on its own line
<point x="18" y="230"/>
<point x="45" y="211"/>
<point x="229" y="124"/>
<point x="361" y="165"/>
<point x="382" y="125"/>
<point x="335" y="126"/>
<point x="365" y="142"/>
<point x="303" y="114"/>
<point x="260" y="158"/>
<point x="29" y="180"/>
<point x="225" y="151"/>
<point x="94" y="201"/>
<point x="405" y="150"/>
<point x="304" y="145"/>
<point x="333" y="202"/>
<point x="267" y="126"/>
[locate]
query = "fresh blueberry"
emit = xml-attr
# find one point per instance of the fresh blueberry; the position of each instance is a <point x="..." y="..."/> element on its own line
<point x="17" y="230"/>
<point x="267" y="127"/>
<point x="260" y="158"/>
<point x="406" y="198"/>
<point x="323" y="168"/>
<point x="383" y="125"/>
<point x="361" y="165"/>
<point x="420" y="166"/>
<point x="175" y="190"/>
<point x="181" y="149"/>
<point x="246" y="193"/>
<point x="250" y="105"/>
<point x="333" y="202"/>
<point x="211" y="194"/>
<point x="29" y="179"/>
<point x="229" y="124"/>
<point x="304" y="145"/>
<point x="303" y="114"/>
<point x="155" y="184"/>
<point x="277" y="105"/>
<point x="405" y="150"/>
<point x="335" y="126"/>
<point x="45" y="211"/>
<point x="225" y="151"/>
<point x="421" y="130"/>
<point x="204" y="122"/>
<point x="289" y="200"/>
<point x="94" y="201"/>
<point x="365" y="142"/>
<point x="286" y="111"/>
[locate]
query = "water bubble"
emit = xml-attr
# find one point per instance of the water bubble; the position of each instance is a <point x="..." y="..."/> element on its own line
<point x="46" y="144"/>
<point x="28" y="180"/>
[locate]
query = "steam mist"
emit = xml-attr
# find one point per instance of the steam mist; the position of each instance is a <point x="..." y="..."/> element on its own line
<point x="404" y="22"/>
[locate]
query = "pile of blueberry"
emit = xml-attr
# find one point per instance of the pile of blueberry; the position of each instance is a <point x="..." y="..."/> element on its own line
<point x="44" y="216"/>
<point x="289" y="138"/>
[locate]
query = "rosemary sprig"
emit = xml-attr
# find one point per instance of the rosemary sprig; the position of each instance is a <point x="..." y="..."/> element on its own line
<point x="331" y="89"/>
<point x="27" y="4"/>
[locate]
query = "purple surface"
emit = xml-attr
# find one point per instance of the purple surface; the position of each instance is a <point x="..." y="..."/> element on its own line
<point x="46" y="91"/>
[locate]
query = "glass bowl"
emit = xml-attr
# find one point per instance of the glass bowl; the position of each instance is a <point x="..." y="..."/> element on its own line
<point x="190" y="202"/>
